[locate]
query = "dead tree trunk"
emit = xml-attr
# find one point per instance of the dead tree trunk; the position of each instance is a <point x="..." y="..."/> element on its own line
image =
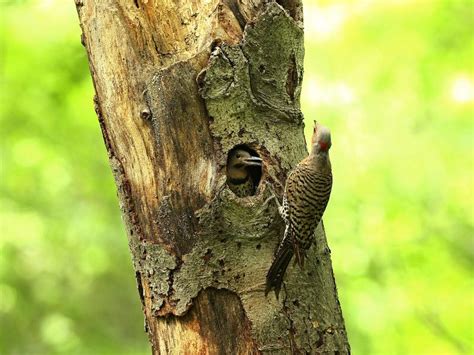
<point x="178" y="85"/>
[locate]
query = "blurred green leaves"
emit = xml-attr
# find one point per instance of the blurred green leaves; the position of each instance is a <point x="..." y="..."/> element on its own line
<point x="392" y="79"/>
<point x="66" y="279"/>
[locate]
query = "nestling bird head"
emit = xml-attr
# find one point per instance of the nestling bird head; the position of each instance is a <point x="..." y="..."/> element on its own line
<point x="321" y="139"/>
<point x="239" y="163"/>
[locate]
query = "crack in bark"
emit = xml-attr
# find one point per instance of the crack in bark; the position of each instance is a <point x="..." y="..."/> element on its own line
<point x="292" y="78"/>
<point x="233" y="5"/>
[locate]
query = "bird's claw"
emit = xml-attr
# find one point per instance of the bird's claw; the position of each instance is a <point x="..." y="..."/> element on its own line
<point x="273" y="196"/>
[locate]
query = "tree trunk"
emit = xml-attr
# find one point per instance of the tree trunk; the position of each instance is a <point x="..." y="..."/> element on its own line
<point x="178" y="85"/>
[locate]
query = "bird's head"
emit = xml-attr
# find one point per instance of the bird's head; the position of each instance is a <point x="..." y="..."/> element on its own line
<point x="239" y="163"/>
<point x="321" y="139"/>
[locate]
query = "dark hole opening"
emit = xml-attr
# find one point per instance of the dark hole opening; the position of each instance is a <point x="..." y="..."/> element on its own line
<point x="244" y="170"/>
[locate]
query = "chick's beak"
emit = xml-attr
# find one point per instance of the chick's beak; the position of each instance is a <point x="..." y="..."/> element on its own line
<point x="252" y="161"/>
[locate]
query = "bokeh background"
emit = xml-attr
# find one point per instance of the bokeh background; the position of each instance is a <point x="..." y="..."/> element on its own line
<point x="394" y="81"/>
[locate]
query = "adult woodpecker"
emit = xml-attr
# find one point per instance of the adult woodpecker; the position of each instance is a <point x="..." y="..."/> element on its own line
<point x="239" y="172"/>
<point x="306" y="196"/>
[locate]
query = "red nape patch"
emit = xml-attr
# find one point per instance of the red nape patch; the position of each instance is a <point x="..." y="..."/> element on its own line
<point x="323" y="145"/>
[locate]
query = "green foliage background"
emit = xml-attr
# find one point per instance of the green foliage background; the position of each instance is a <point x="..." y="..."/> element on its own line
<point x="393" y="80"/>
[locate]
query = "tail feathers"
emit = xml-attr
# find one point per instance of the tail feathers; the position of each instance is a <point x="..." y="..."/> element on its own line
<point x="278" y="268"/>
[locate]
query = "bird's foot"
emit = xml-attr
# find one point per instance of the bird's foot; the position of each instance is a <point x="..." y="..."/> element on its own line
<point x="272" y="197"/>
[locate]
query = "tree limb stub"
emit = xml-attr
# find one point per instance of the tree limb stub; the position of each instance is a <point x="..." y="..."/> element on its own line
<point x="178" y="85"/>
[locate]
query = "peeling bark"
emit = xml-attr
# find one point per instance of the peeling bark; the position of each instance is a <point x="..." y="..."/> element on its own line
<point x="178" y="85"/>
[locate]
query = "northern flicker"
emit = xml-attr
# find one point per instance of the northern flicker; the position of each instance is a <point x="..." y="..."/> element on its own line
<point x="306" y="195"/>
<point x="240" y="165"/>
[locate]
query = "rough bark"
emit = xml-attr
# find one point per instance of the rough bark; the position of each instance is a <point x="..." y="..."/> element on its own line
<point x="178" y="84"/>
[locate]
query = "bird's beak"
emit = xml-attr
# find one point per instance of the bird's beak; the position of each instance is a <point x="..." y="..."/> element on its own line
<point x="252" y="161"/>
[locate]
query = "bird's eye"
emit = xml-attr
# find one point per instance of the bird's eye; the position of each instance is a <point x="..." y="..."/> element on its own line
<point x="238" y="156"/>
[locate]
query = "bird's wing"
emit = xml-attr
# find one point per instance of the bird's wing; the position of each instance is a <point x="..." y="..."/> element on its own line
<point x="295" y="187"/>
<point x="294" y="191"/>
